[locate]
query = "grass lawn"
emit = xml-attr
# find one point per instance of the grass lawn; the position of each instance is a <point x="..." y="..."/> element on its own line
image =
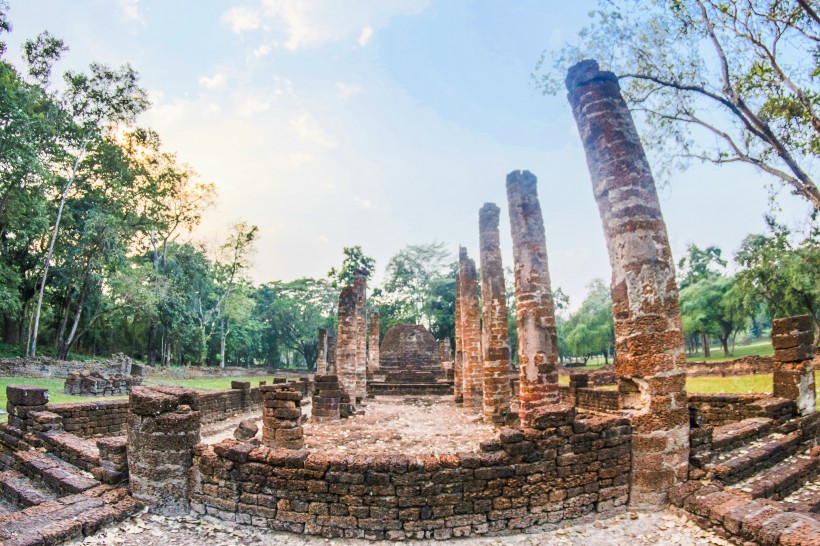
<point x="763" y="348"/>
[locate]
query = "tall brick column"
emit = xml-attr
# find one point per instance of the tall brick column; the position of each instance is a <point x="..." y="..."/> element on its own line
<point x="793" y="342"/>
<point x="163" y="428"/>
<point x="373" y="341"/>
<point x="458" y="358"/>
<point x="495" y="334"/>
<point x="471" y="369"/>
<point x="331" y="354"/>
<point x="534" y="305"/>
<point x="651" y="363"/>
<point x="360" y="393"/>
<point x="347" y="340"/>
<point x="321" y="355"/>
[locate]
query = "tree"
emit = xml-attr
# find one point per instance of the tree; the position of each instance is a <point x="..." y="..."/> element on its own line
<point x="781" y="273"/>
<point x="711" y="306"/>
<point x="590" y="330"/>
<point x="720" y="81"/>
<point x="699" y="264"/>
<point x="354" y="261"/>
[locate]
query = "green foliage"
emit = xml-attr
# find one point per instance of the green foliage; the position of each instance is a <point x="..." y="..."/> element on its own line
<point x="354" y="261"/>
<point x="715" y="81"/>
<point x="589" y="330"/>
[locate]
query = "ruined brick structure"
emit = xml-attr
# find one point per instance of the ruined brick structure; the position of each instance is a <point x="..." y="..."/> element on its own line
<point x="373" y="334"/>
<point x="535" y="308"/>
<point x="282" y="417"/>
<point x="793" y="342"/>
<point x="651" y="362"/>
<point x="470" y="313"/>
<point x="327" y="398"/>
<point x="331" y="354"/>
<point x="163" y="427"/>
<point x="458" y="357"/>
<point x="347" y="340"/>
<point x="409" y="348"/>
<point x="495" y="335"/>
<point x="321" y="354"/>
<point x="360" y="283"/>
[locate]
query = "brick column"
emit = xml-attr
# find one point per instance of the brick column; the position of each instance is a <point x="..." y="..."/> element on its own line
<point x="163" y="428"/>
<point x="360" y="393"/>
<point x="495" y="334"/>
<point x="458" y="358"/>
<point x="793" y="342"/>
<point x="576" y="381"/>
<point x="373" y="341"/>
<point x="23" y="400"/>
<point x="327" y="397"/>
<point x="534" y="305"/>
<point x="282" y="417"/>
<point x="651" y="363"/>
<point x="321" y="355"/>
<point x="471" y="330"/>
<point x="331" y="354"/>
<point x="347" y="340"/>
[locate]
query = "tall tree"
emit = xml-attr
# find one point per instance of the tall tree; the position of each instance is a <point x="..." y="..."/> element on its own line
<point x="590" y="330"/>
<point x="355" y="260"/>
<point x="720" y="81"/>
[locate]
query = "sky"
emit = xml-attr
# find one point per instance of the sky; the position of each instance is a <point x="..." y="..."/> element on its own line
<point x="379" y="123"/>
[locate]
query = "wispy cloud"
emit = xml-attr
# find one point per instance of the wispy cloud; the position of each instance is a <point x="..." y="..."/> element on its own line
<point x="241" y="19"/>
<point x="364" y="203"/>
<point x="216" y="81"/>
<point x="261" y="51"/>
<point x="308" y="130"/>
<point x="364" y="37"/>
<point x="130" y="9"/>
<point x="347" y="90"/>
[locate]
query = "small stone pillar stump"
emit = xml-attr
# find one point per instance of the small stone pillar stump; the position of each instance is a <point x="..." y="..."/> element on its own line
<point x="163" y="428"/>
<point x="327" y="396"/>
<point x="23" y="400"/>
<point x="282" y="417"/>
<point x="793" y="342"/>
<point x="576" y="381"/>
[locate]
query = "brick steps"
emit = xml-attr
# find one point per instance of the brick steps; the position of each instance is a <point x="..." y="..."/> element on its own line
<point x="22" y="491"/>
<point x="78" y="451"/>
<point x="733" y="435"/>
<point x="806" y="499"/>
<point x="53" y="472"/>
<point x="782" y="479"/>
<point x="741" y="464"/>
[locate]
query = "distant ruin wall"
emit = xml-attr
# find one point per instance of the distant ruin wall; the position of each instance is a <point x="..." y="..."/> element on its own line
<point x="520" y="480"/>
<point x="409" y="347"/>
<point x="50" y="367"/>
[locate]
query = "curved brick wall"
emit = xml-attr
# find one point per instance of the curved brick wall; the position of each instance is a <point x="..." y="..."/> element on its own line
<point x="409" y="347"/>
<point x="562" y="470"/>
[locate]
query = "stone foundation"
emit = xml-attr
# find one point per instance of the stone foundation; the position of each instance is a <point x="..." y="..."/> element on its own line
<point x="793" y="342"/>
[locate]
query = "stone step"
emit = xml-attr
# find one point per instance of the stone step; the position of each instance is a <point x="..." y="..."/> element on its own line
<point x="78" y="451"/>
<point x="782" y="479"/>
<point x="806" y="499"/>
<point x="734" y="435"/>
<point x="22" y="491"/>
<point x="53" y="472"/>
<point x="740" y="464"/>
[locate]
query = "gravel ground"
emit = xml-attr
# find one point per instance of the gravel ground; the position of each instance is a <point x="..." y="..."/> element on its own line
<point x="630" y="529"/>
<point x="410" y="425"/>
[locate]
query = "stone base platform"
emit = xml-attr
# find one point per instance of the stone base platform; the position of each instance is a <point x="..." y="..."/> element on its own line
<point x="412" y="389"/>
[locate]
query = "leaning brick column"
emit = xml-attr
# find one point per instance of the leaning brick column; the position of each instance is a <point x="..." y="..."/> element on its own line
<point x="282" y="417"/>
<point x="534" y="305"/>
<point x="793" y="342"/>
<point x="163" y="428"/>
<point x="321" y="355"/>
<point x="458" y="374"/>
<point x="495" y="334"/>
<point x="650" y="363"/>
<point x="360" y="393"/>
<point x="347" y="340"/>
<point x="471" y="330"/>
<point x="373" y="341"/>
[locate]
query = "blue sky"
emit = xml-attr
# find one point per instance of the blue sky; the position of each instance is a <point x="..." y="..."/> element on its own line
<point x="380" y="123"/>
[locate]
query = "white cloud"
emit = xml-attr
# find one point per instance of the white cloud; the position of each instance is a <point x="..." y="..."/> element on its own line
<point x="347" y="90"/>
<point x="328" y="186"/>
<point x="364" y="203"/>
<point x="307" y="130"/>
<point x="314" y="23"/>
<point x="216" y="81"/>
<point x="241" y="18"/>
<point x="249" y="104"/>
<point x="130" y="9"/>
<point x="261" y="51"/>
<point x="364" y="37"/>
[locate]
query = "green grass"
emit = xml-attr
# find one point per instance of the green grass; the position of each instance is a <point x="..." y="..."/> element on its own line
<point x="763" y="348"/>
<point x="209" y="383"/>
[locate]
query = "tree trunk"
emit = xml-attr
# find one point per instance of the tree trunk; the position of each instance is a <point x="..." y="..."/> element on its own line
<point x="606" y="358"/>
<point x="704" y="339"/>
<point x="724" y="340"/>
<point x="151" y="357"/>
<point x="11" y="329"/>
<point x="65" y="345"/>
<point x="221" y="343"/>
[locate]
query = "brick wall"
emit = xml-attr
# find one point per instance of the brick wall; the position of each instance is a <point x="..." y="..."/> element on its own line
<point x="90" y="419"/>
<point x="49" y="367"/>
<point x="220" y="405"/>
<point x="720" y="409"/>
<point x="561" y="470"/>
<point x="747" y="365"/>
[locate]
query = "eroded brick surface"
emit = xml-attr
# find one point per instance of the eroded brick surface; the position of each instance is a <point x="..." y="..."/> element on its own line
<point x="470" y="314"/>
<point x="793" y="342"/>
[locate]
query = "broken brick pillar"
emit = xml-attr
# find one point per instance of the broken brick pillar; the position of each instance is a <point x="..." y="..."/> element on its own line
<point x="347" y="340"/>
<point x="327" y="397"/>
<point x="495" y="334"/>
<point x="576" y="381"/>
<point x="458" y="357"/>
<point x="793" y="342"/>
<point x="23" y="400"/>
<point x="331" y="354"/>
<point x="471" y="332"/>
<point x="321" y="355"/>
<point x="163" y="428"/>
<point x="651" y="361"/>
<point x="534" y="304"/>
<point x="373" y="341"/>
<point x="445" y="353"/>
<point x="282" y="417"/>
<point x="360" y="393"/>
